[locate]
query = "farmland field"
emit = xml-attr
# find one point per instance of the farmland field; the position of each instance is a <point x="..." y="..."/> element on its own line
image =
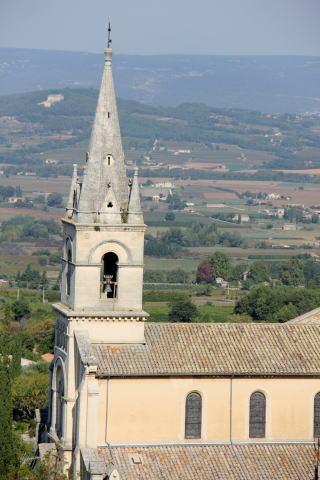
<point x="229" y="172"/>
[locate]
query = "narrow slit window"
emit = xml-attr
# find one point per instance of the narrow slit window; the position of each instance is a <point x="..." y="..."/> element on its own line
<point x="316" y="416"/>
<point x="257" y="422"/>
<point x="193" y="416"/>
<point x="59" y="402"/>
<point x="69" y="270"/>
<point x="109" y="114"/>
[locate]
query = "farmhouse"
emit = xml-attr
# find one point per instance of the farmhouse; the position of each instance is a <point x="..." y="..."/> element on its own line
<point x="289" y="227"/>
<point x="14" y="200"/>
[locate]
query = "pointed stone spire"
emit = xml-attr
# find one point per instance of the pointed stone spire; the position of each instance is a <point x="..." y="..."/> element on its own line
<point x="106" y="158"/>
<point x="135" y="215"/>
<point x="73" y="191"/>
<point x="110" y="211"/>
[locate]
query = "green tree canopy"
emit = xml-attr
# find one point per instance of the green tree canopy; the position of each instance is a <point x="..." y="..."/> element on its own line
<point x="292" y="272"/>
<point x="55" y="200"/>
<point x="259" y="272"/>
<point x="20" y="309"/>
<point x="221" y="266"/>
<point x="267" y="303"/>
<point x="182" y="311"/>
<point x="8" y="460"/>
<point x="29" y="391"/>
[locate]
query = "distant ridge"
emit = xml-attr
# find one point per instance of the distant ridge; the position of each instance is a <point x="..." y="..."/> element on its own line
<point x="266" y="83"/>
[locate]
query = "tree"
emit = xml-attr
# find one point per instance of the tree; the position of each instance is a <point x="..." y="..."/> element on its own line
<point x="287" y="312"/>
<point x="267" y="303"/>
<point x="170" y="217"/>
<point x="44" y="280"/>
<point x="312" y="273"/>
<point x="35" y="230"/>
<point x="160" y="247"/>
<point x="221" y="266"/>
<point x="259" y="272"/>
<point x="182" y="311"/>
<point x="204" y="272"/>
<point x="175" y="202"/>
<point x="20" y="309"/>
<point x="237" y="272"/>
<point x="8" y="458"/>
<point x="7" y="313"/>
<point x="29" y="278"/>
<point x="29" y="391"/>
<point x="292" y="273"/>
<point x="55" y="200"/>
<point x="177" y="276"/>
<point x="15" y="363"/>
<point x="174" y="236"/>
<point x="50" y="467"/>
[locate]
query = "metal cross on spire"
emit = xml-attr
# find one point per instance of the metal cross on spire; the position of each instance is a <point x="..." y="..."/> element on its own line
<point x="109" y="34"/>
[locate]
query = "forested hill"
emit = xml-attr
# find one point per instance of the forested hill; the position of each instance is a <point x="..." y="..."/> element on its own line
<point x="264" y="83"/>
<point x="30" y="127"/>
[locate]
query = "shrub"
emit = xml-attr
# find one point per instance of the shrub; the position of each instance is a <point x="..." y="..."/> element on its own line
<point x="182" y="311"/>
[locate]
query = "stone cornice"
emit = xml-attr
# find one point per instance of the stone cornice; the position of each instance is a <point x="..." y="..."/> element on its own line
<point x="94" y="227"/>
<point x="99" y="316"/>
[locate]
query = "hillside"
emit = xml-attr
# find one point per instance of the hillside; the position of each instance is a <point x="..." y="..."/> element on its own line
<point x="268" y="84"/>
<point x="37" y="127"/>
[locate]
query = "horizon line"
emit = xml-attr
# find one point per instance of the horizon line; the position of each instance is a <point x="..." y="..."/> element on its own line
<point x="84" y="52"/>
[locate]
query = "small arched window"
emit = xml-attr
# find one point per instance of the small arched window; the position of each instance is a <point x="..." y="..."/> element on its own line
<point x="59" y="402"/>
<point x="193" y="415"/>
<point x="69" y="269"/>
<point x="109" y="280"/>
<point x="257" y="422"/>
<point x="316" y="416"/>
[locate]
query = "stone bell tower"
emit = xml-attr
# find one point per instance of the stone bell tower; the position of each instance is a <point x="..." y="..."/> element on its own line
<point x="102" y="261"/>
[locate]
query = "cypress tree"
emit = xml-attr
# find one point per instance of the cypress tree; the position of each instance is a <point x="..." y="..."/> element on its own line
<point x="7" y="446"/>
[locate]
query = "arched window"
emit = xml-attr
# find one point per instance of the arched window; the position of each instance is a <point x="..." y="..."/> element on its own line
<point x="109" y="281"/>
<point x="69" y="268"/>
<point x="316" y="416"/>
<point x="193" y="415"/>
<point x="109" y="159"/>
<point x="59" y="402"/>
<point x="257" y="422"/>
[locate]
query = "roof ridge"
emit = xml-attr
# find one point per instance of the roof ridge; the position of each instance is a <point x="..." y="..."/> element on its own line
<point x="229" y="324"/>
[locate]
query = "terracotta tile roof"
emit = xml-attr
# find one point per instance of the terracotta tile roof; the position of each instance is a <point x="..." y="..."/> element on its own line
<point x="215" y="349"/>
<point x="47" y="357"/>
<point x="208" y="462"/>
<point x="308" y="318"/>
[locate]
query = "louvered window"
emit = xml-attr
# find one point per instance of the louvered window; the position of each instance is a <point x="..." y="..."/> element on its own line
<point x="316" y="416"/>
<point x="193" y="415"/>
<point x="69" y="271"/>
<point x="257" y="426"/>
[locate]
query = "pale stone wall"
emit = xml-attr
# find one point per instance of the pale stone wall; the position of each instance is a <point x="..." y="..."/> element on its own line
<point x="89" y="244"/>
<point x="152" y="410"/>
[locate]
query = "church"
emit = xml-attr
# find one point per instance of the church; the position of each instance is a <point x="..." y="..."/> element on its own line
<point x="132" y="399"/>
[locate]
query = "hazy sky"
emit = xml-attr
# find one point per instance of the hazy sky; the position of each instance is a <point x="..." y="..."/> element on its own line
<point x="164" y="26"/>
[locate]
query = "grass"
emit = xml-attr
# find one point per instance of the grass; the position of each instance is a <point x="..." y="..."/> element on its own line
<point x="159" y="312"/>
<point x="182" y="219"/>
<point x="189" y="264"/>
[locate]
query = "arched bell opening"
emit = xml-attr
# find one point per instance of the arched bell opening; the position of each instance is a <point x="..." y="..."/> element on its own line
<point x="109" y="281"/>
